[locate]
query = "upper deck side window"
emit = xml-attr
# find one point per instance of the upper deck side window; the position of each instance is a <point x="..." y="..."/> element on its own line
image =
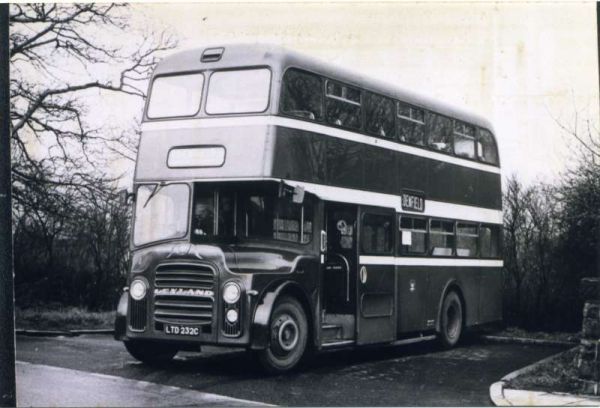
<point x="411" y="121"/>
<point x="302" y="95"/>
<point x="464" y="139"/>
<point x="439" y="132"/>
<point x="175" y="96"/>
<point x="343" y="105"/>
<point x="238" y="91"/>
<point x="486" y="147"/>
<point x="379" y="112"/>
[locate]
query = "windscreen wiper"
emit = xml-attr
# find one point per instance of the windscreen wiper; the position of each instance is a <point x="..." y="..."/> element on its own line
<point x="157" y="188"/>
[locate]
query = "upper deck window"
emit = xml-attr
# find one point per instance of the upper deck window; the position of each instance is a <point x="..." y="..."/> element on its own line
<point x="175" y="95"/>
<point x="466" y="239"/>
<point x="240" y="91"/>
<point x="440" y="132"/>
<point x="302" y="95"/>
<point x="486" y="148"/>
<point x="343" y="105"/>
<point x="380" y="116"/>
<point x="464" y="140"/>
<point x="411" y="124"/>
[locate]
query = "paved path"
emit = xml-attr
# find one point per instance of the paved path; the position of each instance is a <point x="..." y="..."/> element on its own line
<point x="419" y="374"/>
<point x="41" y="385"/>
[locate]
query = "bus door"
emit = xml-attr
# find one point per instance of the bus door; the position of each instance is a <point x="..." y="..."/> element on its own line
<point x="340" y="259"/>
<point x="339" y="273"/>
<point x="376" y="278"/>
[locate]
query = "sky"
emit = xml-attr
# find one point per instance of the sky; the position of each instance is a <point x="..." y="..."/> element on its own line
<point x="524" y="66"/>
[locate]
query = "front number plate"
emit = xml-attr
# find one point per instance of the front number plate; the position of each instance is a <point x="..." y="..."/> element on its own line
<point x="178" y="330"/>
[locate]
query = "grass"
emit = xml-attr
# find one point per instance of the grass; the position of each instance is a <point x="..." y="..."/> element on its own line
<point x="555" y="375"/>
<point x="62" y="318"/>
<point x="539" y="335"/>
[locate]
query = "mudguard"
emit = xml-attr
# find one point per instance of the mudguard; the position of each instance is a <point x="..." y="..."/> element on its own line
<point x="260" y="323"/>
<point x="121" y="317"/>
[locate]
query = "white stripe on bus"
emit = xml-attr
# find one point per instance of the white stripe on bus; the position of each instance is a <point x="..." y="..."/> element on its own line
<point x="433" y="208"/>
<point x="423" y="261"/>
<point x="313" y="127"/>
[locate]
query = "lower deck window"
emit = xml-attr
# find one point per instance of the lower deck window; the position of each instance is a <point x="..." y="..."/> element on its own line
<point x="271" y="217"/>
<point x="377" y="234"/>
<point x="441" y="238"/>
<point x="466" y="240"/>
<point x="489" y="239"/>
<point x="413" y="233"/>
<point x="222" y="212"/>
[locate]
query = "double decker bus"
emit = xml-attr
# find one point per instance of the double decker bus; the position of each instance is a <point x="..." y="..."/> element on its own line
<point x="285" y="205"/>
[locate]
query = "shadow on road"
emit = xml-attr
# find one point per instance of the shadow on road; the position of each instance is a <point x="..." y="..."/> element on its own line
<point x="239" y="364"/>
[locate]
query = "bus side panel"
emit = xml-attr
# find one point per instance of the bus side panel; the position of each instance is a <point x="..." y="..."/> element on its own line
<point x="467" y="279"/>
<point x="245" y="147"/>
<point x="412" y="289"/>
<point x="315" y="158"/>
<point x="490" y="299"/>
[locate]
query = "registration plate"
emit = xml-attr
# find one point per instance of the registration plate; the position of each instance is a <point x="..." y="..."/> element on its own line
<point x="178" y="330"/>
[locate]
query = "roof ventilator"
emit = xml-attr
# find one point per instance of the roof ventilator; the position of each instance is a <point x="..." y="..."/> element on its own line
<point x="212" y="54"/>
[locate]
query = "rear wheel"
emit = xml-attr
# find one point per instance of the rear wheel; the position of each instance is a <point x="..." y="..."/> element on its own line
<point x="150" y="352"/>
<point x="288" y="335"/>
<point x="451" y="323"/>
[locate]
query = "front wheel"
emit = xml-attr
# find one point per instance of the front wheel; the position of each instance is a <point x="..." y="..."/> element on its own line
<point x="150" y="352"/>
<point x="451" y="323"/>
<point x="288" y="335"/>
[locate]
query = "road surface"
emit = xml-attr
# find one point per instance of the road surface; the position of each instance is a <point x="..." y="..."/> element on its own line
<point x="418" y="374"/>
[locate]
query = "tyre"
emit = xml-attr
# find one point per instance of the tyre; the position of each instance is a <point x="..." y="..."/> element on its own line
<point x="150" y="352"/>
<point x="288" y="336"/>
<point x="451" y="320"/>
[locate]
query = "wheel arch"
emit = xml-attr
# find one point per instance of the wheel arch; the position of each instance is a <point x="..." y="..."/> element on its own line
<point x="262" y="313"/>
<point x="451" y="285"/>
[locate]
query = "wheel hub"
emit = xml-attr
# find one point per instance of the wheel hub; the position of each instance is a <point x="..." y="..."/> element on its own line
<point x="285" y="334"/>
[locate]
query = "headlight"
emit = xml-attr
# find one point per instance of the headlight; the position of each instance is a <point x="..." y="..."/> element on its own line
<point x="137" y="289"/>
<point x="232" y="316"/>
<point x="231" y="292"/>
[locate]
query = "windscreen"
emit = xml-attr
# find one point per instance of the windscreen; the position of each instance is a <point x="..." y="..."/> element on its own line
<point x="161" y="212"/>
<point x="240" y="91"/>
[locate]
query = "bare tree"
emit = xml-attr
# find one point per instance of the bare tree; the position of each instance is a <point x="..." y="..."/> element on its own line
<point x="58" y="54"/>
<point x="64" y="60"/>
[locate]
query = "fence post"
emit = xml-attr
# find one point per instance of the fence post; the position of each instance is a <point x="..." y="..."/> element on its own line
<point x="7" y="320"/>
<point x="588" y="360"/>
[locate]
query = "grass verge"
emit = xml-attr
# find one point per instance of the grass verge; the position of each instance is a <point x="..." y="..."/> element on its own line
<point x="538" y="335"/>
<point x="62" y="318"/>
<point x="555" y="375"/>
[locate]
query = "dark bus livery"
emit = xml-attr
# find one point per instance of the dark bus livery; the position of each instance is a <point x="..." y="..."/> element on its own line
<point x="285" y="205"/>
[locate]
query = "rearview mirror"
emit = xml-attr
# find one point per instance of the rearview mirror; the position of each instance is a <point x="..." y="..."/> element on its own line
<point x="124" y="196"/>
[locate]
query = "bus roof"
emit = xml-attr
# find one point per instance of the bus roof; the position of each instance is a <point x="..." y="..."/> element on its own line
<point x="279" y="59"/>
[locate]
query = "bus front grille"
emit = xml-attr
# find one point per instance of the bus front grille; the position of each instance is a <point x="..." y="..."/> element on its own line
<point x="184" y="294"/>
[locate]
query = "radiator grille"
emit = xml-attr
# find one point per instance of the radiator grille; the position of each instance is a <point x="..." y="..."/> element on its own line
<point x="183" y="308"/>
<point x="137" y="315"/>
